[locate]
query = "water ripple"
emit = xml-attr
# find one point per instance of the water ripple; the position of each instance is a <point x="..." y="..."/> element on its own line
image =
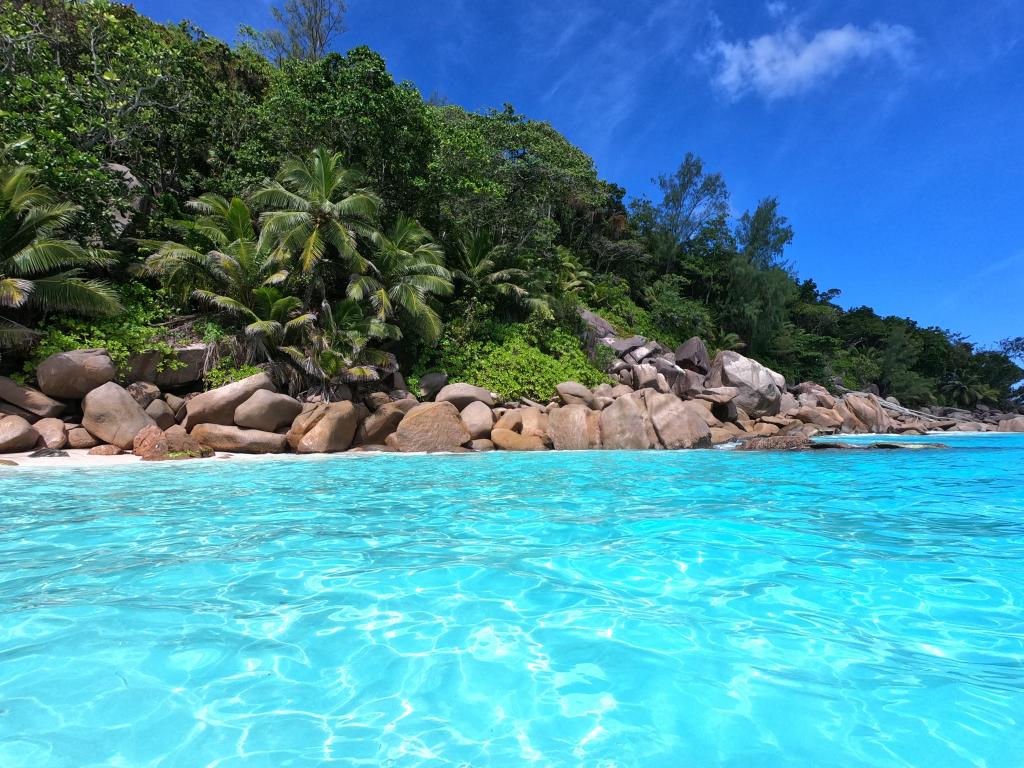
<point x="595" y="609"/>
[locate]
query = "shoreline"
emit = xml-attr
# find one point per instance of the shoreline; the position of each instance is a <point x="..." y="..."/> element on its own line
<point x="79" y="458"/>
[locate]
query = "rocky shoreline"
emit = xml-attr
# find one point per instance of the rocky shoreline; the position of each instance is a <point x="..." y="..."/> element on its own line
<point x="664" y="399"/>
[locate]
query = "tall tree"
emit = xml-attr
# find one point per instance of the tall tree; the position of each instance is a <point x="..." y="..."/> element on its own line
<point x="692" y="199"/>
<point x="763" y="235"/>
<point x="305" y="29"/>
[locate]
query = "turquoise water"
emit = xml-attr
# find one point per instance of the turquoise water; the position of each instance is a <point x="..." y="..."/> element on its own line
<point x="702" y="608"/>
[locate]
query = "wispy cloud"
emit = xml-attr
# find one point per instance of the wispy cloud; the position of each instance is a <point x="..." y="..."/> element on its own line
<point x="787" y="63"/>
<point x="776" y="8"/>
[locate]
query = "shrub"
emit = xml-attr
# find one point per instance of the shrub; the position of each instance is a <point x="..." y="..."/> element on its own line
<point x="513" y="359"/>
<point x="124" y="336"/>
<point x="226" y="372"/>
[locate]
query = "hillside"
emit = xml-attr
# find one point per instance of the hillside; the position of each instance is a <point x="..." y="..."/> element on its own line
<point x="324" y="223"/>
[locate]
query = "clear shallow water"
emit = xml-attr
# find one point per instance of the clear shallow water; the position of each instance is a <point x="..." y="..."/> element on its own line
<point x="705" y="608"/>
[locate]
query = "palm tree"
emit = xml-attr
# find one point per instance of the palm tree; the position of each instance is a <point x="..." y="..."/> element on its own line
<point x="477" y="269"/>
<point x="274" y="323"/>
<point x="38" y="269"/>
<point x="572" y="277"/>
<point x="340" y="348"/>
<point x="405" y="272"/>
<point x="316" y="209"/>
<point x="232" y="272"/>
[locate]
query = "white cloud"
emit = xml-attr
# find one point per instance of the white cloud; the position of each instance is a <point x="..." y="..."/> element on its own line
<point x="787" y="63"/>
<point x="776" y="8"/>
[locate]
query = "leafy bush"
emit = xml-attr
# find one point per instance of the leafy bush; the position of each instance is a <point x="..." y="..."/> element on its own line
<point x="675" y="316"/>
<point x="226" y="372"/>
<point x="513" y="359"/>
<point x="124" y="336"/>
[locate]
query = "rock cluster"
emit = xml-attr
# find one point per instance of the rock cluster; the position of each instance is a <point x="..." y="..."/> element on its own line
<point x="663" y="399"/>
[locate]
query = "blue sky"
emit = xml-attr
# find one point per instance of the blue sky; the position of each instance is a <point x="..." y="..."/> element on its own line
<point x="892" y="133"/>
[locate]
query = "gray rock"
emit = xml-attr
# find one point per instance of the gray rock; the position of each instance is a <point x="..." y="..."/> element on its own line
<point x="693" y="356"/>
<point x="574" y="427"/>
<point x="52" y="433"/>
<point x="16" y="435"/>
<point x="218" y="405"/>
<point x="431" y="384"/>
<point x="625" y="346"/>
<point x="574" y="392"/>
<point x="28" y="399"/>
<point x="478" y="420"/>
<point x="267" y="411"/>
<point x="431" y="427"/>
<point x="226" y="438"/>
<point x="677" y="425"/>
<point x="160" y="412"/>
<point x="112" y="415"/>
<point x="644" y="376"/>
<point x="72" y="375"/>
<point x="79" y="437"/>
<point x="188" y="366"/>
<point x="461" y="395"/>
<point x="143" y="392"/>
<point x="622" y="425"/>
<point x="759" y="388"/>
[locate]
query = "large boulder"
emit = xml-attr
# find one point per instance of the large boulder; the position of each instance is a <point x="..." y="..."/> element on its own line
<point x="1015" y="424"/>
<point x="461" y="395"/>
<point x="677" y="425"/>
<point x="535" y="423"/>
<point x="597" y="326"/>
<point x="52" y="432"/>
<point x="154" y="444"/>
<point x="867" y="410"/>
<point x="218" y="405"/>
<point x="573" y="392"/>
<point x="431" y="384"/>
<point x="625" y="346"/>
<point x="574" y="427"/>
<point x="16" y="434"/>
<point x="644" y="376"/>
<point x="431" y="427"/>
<point x="28" y="399"/>
<point x="511" y="420"/>
<point x="187" y="366"/>
<point x="112" y="415"/>
<point x="822" y="417"/>
<point x="375" y="429"/>
<point x="821" y="395"/>
<point x="693" y="356"/>
<point x="622" y="425"/>
<point x="507" y="440"/>
<point x="72" y="375"/>
<point x="80" y="438"/>
<point x="759" y="389"/>
<point x="161" y="413"/>
<point x="143" y="392"/>
<point x="224" y="438"/>
<point x="478" y="419"/>
<point x="333" y="431"/>
<point x="267" y="411"/>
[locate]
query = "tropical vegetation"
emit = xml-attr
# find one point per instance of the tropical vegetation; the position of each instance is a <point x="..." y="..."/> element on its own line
<point x="317" y="219"/>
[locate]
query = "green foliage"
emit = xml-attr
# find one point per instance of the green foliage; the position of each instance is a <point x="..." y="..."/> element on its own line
<point x="226" y="371"/>
<point x="513" y="359"/>
<point x="132" y="332"/>
<point x="129" y="119"/>
<point x="676" y="315"/>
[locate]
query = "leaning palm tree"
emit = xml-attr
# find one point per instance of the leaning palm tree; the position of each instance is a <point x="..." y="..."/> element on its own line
<point x="275" y="324"/>
<point x="232" y="270"/>
<point x="405" y="272"/>
<point x="477" y="270"/>
<point x="39" y="270"/>
<point x="316" y="209"/>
